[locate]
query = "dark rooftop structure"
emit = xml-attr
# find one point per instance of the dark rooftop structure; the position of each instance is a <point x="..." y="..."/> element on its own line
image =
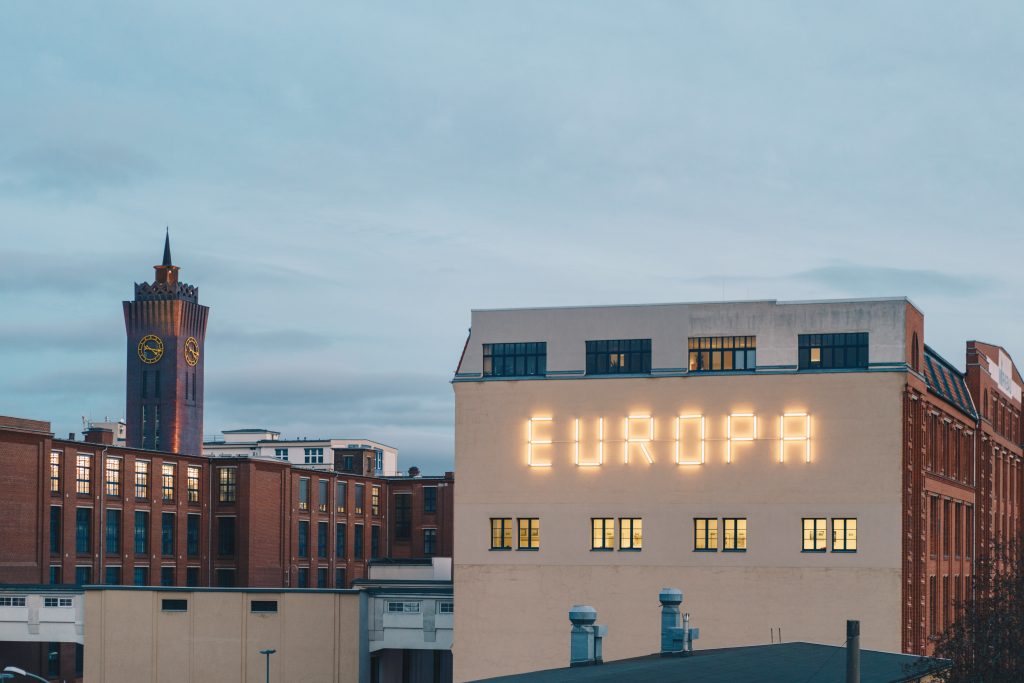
<point x="780" y="663"/>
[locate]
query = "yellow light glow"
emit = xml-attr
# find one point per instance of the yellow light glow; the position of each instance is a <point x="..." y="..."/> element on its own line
<point x="680" y="456"/>
<point x="805" y="437"/>
<point x="640" y="441"/>
<point x="729" y="432"/>
<point x="531" y="442"/>
<point x="600" y="444"/>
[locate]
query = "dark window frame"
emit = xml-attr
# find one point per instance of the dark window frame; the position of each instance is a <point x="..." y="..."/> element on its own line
<point x="515" y="359"/>
<point x="618" y="357"/>
<point x="605" y="545"/>
<point x="727" y="353"/>
<point x="833" y="351"/>
<point x="814" y="535"/>
<point x="845" y="526"/>
<point x="624" y="537"/>
<point x="504" y="531"/>
<point x="735" y="548"/>
<point x="532" y="524"/>
<point x="707" y="535"/>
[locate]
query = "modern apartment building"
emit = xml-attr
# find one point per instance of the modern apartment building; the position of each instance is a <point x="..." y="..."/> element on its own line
<point x="789" y="465"/>
<point x="361" y="456"/>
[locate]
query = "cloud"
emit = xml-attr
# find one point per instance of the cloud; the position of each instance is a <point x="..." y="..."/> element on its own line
<point x="73" y="170"/>
<point x="896" y="281"/>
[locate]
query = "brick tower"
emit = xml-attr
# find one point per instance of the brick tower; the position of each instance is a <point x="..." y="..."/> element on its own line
<point x="166" y="330"/>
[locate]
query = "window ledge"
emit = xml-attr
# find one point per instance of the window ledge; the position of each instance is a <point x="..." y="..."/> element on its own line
<point x="819" y="551"/>
<point x="530" y="550"/>
<point x="705" y="550"/>
<point x="630" y="550"/>
<point x="501" y="550"/>
<point x="602" y="550"/>
<point x="734" y="550"/>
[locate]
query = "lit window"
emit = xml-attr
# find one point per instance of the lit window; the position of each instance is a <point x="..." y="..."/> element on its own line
<point x="631" y="533"/>
<point x="375" y="501"/>
<point x="304" y="493"/>
<point x="522" y="359"/>
<point x="602" y="533"/>
<point x="54" y="471"/>
<point x="167" y="481"/>
<point x="113" y="487"/>
<point x="722" y="354"/>
<point x="501" y="533"/>
<point x="705" y="534"/>
<point x="734" y="534"/>
<point x="837" y="350"/>
<point x="142" y="479"/>
<point x="340" y="492"/>
<point x="619" y="356"/>
<point x="83" y="473"/>
<point x="529" y="533"/>
<point x="815" y="534"/>
<point x="192" y="483"/>
<point x="844" y="535"/>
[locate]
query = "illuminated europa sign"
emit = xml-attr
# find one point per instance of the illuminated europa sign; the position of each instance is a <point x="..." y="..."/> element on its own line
<point x="635" y="438"/>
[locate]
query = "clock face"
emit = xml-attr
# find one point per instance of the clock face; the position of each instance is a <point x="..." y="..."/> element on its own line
<point x="191" y="351"/>
<point x="151" y="349"/>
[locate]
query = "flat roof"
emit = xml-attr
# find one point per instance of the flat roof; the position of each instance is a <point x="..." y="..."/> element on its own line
<point x="779" y="663"/>
<point x="703" y="303"/>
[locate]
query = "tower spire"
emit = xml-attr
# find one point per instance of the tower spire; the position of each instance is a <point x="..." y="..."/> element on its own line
<point x="167" y="248"/>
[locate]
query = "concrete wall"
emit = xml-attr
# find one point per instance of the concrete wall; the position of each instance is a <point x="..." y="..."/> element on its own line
<point x="130" y="638"/>
<point x="515" y="602"/>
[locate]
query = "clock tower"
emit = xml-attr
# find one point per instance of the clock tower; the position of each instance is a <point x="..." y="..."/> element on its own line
<point x="166" y="330"/>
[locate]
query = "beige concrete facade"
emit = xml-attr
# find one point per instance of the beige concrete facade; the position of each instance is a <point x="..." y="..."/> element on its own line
<point x="131" y="638"/>
<point x="520" y="599"/>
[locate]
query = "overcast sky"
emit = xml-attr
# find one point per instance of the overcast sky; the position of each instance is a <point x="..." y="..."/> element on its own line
<point x="345" y="184"/>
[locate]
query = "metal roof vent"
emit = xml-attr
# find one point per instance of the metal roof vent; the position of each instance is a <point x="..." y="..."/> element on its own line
<point x="585" y="639"/>
<point x="676" y="638"/>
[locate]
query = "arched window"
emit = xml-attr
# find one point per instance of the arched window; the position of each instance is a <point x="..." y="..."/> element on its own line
<point x="915" y="358"/>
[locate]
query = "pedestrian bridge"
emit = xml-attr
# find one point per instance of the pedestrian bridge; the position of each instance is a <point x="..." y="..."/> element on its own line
<point x="41" y="614"/>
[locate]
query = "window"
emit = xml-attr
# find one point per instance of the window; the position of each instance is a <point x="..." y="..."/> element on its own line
<point x="933" y="513"/>
<point x="378" y="461"/>
<point x="192" y="482"/>
<point x="522" y="359"/>
<point x="192" y="535"/>
<point x="322" y="487"/>
<point x="947" y="523"/>
<point x="357" y="550"/>
<point x="403" y="516"/>
<point x="112" y="576"/>
<point x="304" y="493"/>
<point x="83" y="530"/>
<point x="54" y="471"/>
<point x="933" y="608"/>
<point x="167" y="533"/>
<point x="83" y="575"/>
<point x="281" y="453"/>
<point x="836" y="350"/>
<point x="83" y="474"/>
<point x="141" y="532"/>
<point x="430" y="499"/>
<point x="631" y="533"/>
<point x="166" y="576"/>
<point x="321" y="539"/>
<point x="12" y="601"/>
<point x="429" y="542"/>
<point x="705" y="534"/>
<point x="313" y="456"/>
<point x="226" y="536"/>
<point x="263" y="606"/>
<point x="55" y="574"/>
<point x="57" y="602"/>
<point x="734" y="534"/>
<point x="113" y="532"/>
<point x="167" y="480"/>
<point x="815" y="539"/>
<point x="340" y="493"/>
<point x="722" y="354"/>
<point x="113" y="487"/>
<point x="619" y="356"/>
<point x="303" y="577"/>
<point x="303" y="538"/>
<point x="192" y="576"/>
<point x="173" y="605"/>
<point x="602" y="535"/>
<point x="403" y="608"/>
<point x="375" y="501"/>
<point x="360" y="497"/>
<point x="321" y="577"/>
<point x="844" y="535"/>
<point x="224" y="578"/>
<point x="142" y="479"/>
<point x="228" y="480"/>
<point x="55" y="513"/>
<point x="339" y="541"/>
<point x="53" y="660"/>
<point x="501" y="533"/>
<point x="529" y="533"/>
<point x="141" y="576"/>
<point x="446" y="607"/>
<point x="374" y="542"/>
<point x="339" y="577"/>
<point x="969" y="532"/>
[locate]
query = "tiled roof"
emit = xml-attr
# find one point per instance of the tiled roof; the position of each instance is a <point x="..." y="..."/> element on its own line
<point x="947" y="382"/>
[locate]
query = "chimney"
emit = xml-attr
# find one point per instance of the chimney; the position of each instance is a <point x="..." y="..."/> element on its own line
<point x="676" y="638"/>
<point x="852" y="651"/>
<point x="100" y="435"/>
<point x="585" y="639"/>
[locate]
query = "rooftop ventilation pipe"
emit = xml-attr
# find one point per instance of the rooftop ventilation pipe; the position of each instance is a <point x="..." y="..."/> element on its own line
<point x="852" y="651"/>
<point x="676" y="638"/>
<point x="585" y="637"/>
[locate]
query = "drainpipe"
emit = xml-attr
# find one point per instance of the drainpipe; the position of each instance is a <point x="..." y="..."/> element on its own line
<point x="852" y="651"/>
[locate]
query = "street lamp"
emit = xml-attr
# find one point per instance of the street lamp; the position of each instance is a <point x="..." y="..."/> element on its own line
<point x="11" y="670"/>
<point x="268" y="653"/>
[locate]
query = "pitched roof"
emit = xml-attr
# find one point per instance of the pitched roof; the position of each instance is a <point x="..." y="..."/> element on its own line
<point x="780" y="663"/>
<point x="947" y="382"/>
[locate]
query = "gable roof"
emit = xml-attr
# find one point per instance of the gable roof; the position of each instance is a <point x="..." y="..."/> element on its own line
<point x="947" y="382"/>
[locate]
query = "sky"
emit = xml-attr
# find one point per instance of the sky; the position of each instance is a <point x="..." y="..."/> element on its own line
<point x="346" y="182"/>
